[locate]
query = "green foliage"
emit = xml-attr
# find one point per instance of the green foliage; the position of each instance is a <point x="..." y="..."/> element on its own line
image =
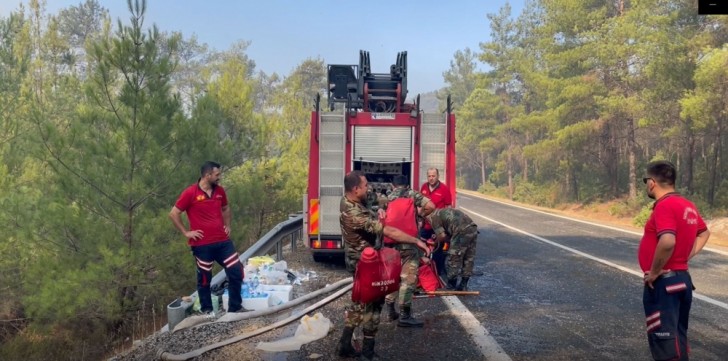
<point x="584" y="93"/>
<point x="541" y="195"/>
<point x="101" y="127"/>
<point x="628" y="207"/>
<point x="644" y="214"/>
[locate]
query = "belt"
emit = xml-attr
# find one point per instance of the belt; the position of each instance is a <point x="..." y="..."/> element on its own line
<point x="672" y="274"/>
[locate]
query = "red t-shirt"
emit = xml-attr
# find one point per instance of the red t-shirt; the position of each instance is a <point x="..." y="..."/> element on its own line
<point x="671" y="214"/>
<point x="440" y="196"/>
<point x="204" y="213"/>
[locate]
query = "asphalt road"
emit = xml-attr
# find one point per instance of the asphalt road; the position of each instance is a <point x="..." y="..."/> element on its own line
<point x="558" y="289"/>
<point x="552" y="288"/>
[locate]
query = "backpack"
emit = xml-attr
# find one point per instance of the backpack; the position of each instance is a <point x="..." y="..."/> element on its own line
<point x="377" y="274"/>
<point x="401" y="214"/>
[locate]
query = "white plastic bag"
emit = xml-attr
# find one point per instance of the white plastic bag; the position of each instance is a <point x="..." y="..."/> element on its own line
<point x="310" y="329"/>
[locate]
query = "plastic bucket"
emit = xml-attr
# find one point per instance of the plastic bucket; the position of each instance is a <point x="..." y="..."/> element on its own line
<point x="175" y="313"/>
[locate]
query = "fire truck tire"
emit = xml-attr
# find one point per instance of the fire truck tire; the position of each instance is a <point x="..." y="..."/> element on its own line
<point x="320" y="257"/>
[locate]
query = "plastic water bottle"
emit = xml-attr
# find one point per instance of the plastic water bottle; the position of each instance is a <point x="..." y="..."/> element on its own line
<point x="225" y="298"/>
<point x="256" y="283"/>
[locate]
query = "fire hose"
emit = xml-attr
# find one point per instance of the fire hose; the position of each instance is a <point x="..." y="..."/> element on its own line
<point x="164" y="355"/>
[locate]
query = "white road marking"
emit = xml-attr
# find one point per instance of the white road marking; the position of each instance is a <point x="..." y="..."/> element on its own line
<point x="486" y="343"/>
<point x="602" y="261"/>
<point x="585" y="222"/>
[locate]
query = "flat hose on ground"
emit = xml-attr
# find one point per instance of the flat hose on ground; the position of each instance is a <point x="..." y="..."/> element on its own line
<point x="239" y="316"/>
<point x="163" y="355"/>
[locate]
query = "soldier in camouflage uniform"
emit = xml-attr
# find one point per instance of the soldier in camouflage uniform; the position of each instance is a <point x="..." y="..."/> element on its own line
<point x="410" y="259"/>
<point x="459" y="228"/>
<point x="361" y="228"/>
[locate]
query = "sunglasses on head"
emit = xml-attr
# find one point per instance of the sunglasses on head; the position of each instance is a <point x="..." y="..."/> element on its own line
<point x="645" y="179"/>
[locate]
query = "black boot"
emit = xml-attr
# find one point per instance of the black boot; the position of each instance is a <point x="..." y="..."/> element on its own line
<point x="344" y="348"/>
<point x="463" y="286"/>
<point x="393" y="315"/>
<point x="406" y="319"/>
<point x="367" y="350"/>
<point x="450" y="285"/>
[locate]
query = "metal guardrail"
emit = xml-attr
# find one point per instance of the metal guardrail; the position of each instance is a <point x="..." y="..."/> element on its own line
<point x="290" y="230"/>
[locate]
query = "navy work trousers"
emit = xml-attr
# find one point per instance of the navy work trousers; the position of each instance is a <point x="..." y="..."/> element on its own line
<point x="667" y="308"/>
<point x="224" y="254"/>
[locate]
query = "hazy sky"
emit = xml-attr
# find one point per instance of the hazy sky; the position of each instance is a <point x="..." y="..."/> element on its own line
<point x="286" y="32"/>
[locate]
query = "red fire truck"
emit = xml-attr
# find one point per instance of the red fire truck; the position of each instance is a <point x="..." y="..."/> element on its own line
<point x="369" y="127"/>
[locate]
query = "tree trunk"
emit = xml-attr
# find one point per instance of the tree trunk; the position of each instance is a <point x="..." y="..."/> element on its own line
<point x="631" y="154"/>
<point x="482" y="168"/>
<point x="688" y="174"/>
<point x="715" y="162"/>
<point x="525" y="160"/>
<point x="510" y="175"/>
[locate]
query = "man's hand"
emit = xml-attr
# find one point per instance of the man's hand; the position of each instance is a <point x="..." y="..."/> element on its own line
<point x="423" y="246"/>
<point x="194" y="235"/>
<point x="382" y="214"/>
<point x="650" y="277"/>
<point x="227" y="230"/>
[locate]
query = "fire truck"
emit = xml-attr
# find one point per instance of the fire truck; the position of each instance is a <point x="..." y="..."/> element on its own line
<point x="368" y="126"/>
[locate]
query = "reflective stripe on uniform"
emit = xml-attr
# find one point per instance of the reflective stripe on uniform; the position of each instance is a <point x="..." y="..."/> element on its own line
<point x="203" y="265"/>
<point x="230" y="261"/>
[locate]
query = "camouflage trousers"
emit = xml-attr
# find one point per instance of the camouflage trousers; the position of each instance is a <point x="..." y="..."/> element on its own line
<point x="365" y="315"/>
<point x="461" y="255"/>
<point x="408" y="277"/>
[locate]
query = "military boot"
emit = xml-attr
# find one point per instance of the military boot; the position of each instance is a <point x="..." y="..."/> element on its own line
<point x="463" y="286"/>
<point x="406" y="319"/>
<point x="450" y="285"/>
<point x="367" y="350"/>
<point x="393" y="315"/>
<point x="344" y="348"/>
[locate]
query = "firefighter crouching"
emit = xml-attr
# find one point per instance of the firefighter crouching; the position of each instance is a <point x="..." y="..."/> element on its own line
<point x="360" y="228"/>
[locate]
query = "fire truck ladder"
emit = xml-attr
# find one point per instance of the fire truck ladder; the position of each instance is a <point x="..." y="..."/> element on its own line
<point x="331" y="170"/>
<point x="434" y="144"/>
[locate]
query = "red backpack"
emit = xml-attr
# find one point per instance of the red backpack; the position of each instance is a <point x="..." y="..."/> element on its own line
<point x="377" y="274"/>
<point x="401" y="214"/>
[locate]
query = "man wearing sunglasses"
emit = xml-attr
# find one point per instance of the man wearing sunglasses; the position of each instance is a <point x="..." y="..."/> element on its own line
<point x="674" y="233"/>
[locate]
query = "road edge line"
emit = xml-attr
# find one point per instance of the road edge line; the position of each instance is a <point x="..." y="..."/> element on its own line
<point x="593" y="258"/>
<point x="470" y="193"/>
<point x="489" y="347"/>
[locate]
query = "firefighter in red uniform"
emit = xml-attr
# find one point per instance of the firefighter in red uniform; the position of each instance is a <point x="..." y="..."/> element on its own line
<point x="439" y="194"/>
<point x="674" y="233"/>
<point x="209" y="215"/>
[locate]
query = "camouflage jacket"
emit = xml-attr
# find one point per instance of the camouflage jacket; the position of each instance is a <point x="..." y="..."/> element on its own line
<point x="450" y="221"/>
<point x="420" y="200"/>
<point x="360" y="228"/>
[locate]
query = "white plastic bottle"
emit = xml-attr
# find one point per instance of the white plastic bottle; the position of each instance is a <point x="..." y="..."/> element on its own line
<point x="225" y="298"/>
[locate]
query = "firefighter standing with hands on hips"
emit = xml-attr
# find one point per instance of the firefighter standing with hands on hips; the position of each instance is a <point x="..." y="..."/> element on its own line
<point x="673" y="235"/>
